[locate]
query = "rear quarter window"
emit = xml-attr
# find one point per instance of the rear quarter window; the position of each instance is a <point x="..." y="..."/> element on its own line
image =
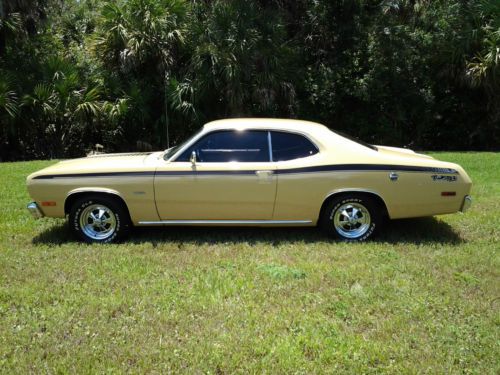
<point x="289" y="146"/>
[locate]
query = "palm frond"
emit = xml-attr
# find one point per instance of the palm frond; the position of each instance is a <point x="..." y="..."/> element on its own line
<point x="8" y="99"/>
<point x="90" y="104"/>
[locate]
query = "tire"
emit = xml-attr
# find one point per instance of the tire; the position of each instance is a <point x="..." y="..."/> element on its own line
<point x="99" y="219"/>
<point x="352" y="218"/>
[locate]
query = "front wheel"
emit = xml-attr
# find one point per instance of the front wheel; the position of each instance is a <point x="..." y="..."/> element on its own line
<point x="98" y="219"/>
<point x="351" y="218"/>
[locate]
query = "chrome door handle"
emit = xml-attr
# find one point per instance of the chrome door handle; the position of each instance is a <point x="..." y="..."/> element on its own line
<point x="393" y="176"/>
<point x="263" y="173"/>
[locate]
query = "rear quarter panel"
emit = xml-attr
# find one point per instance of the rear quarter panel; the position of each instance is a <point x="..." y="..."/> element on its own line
<point x="413" y="194"/>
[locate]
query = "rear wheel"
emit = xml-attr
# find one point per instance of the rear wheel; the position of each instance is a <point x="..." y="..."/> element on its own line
<point x="99" y="219"/>
<point x="351" y="218"/>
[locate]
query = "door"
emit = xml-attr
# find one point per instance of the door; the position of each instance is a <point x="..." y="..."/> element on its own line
<point x="300" y="191"/>
<point x="232" y="179"/>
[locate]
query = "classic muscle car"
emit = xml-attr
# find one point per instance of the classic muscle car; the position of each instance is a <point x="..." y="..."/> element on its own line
<point x="250" y="172"/>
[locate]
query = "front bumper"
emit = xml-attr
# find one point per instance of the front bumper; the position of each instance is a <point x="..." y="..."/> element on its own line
<point x="35" y="211"/>
<point x="466" y="203"/>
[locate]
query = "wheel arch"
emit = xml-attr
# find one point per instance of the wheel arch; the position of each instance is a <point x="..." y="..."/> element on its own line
<point x="369" y="193"/>
<point x="75" y="194"/>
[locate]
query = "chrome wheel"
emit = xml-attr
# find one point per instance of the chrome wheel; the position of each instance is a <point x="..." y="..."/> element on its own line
<point x="98" y="222"/>
<point x="352" y="220"/>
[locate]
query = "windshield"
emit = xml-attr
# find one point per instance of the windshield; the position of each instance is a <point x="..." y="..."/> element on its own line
<point x="172" y="150"/>
<point x="351" y="138"/>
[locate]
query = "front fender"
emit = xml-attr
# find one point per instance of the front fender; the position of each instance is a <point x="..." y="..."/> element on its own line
<point x="86" y="190"/>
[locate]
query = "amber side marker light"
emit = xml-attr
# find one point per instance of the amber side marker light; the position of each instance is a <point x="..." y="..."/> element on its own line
<point x="448" y="193"/>
<point x="48" y="204"/>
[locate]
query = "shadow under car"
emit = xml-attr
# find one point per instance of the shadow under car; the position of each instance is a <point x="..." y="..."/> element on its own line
<point x="416" y="231"/>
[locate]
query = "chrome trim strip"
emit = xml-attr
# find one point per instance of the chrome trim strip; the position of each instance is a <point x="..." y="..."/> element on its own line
<point x="93" y="190"/>
<point x="356" y="190"/>
<point x="270" y="145"/>
<point x="239" y="222"/>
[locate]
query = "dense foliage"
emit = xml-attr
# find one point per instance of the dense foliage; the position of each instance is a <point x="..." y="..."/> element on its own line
<point x="139" y="74"/>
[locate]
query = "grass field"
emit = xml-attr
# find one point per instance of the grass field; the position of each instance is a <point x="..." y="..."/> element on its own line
<point x="423" y="298"/>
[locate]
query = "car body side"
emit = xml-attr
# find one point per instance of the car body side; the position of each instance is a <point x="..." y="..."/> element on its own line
<point x="153" y="189"/>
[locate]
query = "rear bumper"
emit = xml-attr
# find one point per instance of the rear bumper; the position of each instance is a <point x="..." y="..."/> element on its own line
<point x="35" y="211"/>
<point x="466" y="203"/>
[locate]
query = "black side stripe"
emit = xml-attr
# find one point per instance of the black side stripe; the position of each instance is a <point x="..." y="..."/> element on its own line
<point x="102" y="174"/>
<point x="322" y="168"/>
<point x="205" y="173"/>
<point x="367" y="168"/>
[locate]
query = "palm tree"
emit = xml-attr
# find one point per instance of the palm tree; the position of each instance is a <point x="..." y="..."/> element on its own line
<point x="18" y="17"/>
<point x="141" y="38"/>
<point x="240" y="64"/>
<point x="484" y="67"/>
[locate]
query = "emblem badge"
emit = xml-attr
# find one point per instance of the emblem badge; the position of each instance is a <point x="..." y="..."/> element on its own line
<point x="444" y="178"/>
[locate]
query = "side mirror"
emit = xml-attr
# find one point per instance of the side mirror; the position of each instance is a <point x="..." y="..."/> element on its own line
<point x="192" y="159"/>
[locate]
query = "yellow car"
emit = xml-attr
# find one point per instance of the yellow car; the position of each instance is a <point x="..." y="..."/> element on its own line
<point x="250" y="172"/>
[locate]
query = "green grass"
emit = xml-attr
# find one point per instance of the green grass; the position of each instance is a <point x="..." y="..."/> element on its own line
<point x="424" y="298"/>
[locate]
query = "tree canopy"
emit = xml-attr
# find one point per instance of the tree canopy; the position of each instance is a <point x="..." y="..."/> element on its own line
<point x="132" y="74"/>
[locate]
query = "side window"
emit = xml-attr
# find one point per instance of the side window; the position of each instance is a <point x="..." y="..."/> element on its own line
<point x="288" y="146"/>
<point x="225" y="146"/>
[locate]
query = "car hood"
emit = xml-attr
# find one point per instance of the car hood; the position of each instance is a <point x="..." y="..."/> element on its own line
<point x="101" y="163"/>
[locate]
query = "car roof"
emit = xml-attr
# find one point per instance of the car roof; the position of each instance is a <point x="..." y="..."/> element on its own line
<point x="325" y="139"/>
<point x="267" y="123"/>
